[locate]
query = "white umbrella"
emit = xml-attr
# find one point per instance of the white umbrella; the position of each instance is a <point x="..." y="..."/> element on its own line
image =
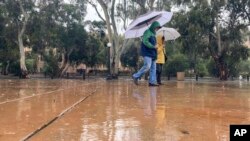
<point x="142" y="23"/>
<point x="168" y="33"/>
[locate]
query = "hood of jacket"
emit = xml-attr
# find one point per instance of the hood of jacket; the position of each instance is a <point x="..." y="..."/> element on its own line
<point x="154" y="25"/>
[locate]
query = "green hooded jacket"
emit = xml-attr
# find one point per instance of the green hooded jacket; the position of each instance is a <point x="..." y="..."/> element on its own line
<point x="149" y="41"/>
<point x="149" y="33"/>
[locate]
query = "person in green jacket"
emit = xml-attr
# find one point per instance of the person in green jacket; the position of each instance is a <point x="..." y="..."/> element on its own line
<point x="149" y="54"/>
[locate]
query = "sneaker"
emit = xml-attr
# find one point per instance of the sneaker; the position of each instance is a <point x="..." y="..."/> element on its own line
<point x="160" y="83"/>
<point x="153" y="85"/>
<point x="135" y="80"/>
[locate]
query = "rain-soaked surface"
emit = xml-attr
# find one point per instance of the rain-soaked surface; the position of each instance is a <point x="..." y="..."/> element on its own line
<point x="96" y="109"/>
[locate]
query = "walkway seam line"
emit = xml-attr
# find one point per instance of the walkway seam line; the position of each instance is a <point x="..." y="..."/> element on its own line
<point x="57" y="117"/>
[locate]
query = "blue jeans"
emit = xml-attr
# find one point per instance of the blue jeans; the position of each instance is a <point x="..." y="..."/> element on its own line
<point x="150" y="65"/>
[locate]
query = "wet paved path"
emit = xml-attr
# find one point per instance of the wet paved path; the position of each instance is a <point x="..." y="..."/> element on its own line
<point x="73" y="110"/>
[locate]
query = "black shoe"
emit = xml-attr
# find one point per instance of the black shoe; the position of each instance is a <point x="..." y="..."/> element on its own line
<point x="161" y="83"/>
<point x="153" y="85"/>
<point x="135" y="80"/>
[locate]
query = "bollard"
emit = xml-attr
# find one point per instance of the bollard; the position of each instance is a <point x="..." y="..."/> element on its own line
<point x="67" y="75"/>
<point x="248" y="78"/>
<point x="196" y="77"/>
<point x="83" y="74"/>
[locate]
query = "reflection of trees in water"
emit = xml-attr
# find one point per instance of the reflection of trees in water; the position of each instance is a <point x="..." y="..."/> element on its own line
<point x="22" y="106"/>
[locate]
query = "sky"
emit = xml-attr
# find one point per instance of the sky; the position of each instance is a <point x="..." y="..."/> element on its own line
<point x="92" y="15"/>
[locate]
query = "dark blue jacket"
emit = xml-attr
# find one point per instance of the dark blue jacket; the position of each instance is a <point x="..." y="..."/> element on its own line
<point x="149" y="52"/>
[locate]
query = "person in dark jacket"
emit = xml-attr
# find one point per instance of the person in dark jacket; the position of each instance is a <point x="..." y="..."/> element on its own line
<point x="149" y="54"/>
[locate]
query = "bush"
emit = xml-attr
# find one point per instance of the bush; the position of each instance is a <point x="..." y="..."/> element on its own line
<point x="177" y="64"/>
<point x="245" y="67"/>
<point x="51" y="67"/>
<point x="201" y="70"/>
<point x="212" y="69"/>
<point x="31" y="65"/>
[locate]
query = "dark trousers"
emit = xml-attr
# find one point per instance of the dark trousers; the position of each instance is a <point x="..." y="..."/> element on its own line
<point x="158" y="72"/>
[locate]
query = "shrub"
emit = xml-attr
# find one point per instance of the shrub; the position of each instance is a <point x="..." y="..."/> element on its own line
<point x="177" y="64"/>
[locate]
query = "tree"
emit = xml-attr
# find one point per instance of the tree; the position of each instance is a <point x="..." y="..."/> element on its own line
<point x="221" y="37"/>
<point x="71" y="39"/>
<point x="18" y="12"/>
<point x="93" y="51"/>
<point x="109" y="11"/>
<point x="60" y="26"/>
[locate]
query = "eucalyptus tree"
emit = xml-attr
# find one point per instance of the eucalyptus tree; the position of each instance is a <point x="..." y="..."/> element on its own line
<point x="108" y="8"/>
<point x="70" y="32"/>
<point x="17" y="16"/>
<point x="218" y="30"/>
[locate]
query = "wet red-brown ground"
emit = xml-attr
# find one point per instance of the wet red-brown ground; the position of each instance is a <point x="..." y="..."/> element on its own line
<point x="73" y="110"/>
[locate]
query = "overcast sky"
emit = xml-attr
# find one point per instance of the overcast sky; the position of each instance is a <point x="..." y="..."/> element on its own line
<point x="91" y="14"/>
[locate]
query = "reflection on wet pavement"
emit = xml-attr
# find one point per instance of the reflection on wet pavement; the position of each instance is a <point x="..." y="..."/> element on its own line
<point x="121" y="111"/>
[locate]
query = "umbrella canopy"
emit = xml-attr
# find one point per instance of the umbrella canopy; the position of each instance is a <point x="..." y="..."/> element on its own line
<point x="142" y="23"/>
<point x="168" y="33"/>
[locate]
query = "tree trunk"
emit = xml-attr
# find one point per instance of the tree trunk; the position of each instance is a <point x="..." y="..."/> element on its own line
<point x="64" y="69"/>
<point x="113" y="44"/>
<point x="223" y="70"/>
<point x="112" y="36"/>
<point x="5" y="68"/>
<point x="65" y="63"/>
<point x="115" y="55"/>
<point x="6" y="72"/>
<point x="24" y="72"/>
<point x="222" y="67"/>
<point x="23" y="68"/>
<point x="218" y="57"/>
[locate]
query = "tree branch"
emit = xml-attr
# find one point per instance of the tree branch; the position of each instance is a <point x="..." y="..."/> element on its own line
<point x="26" y="17"/>
<point x="113" y="18"/>
<point x="151" y="4"/>
<point x="95" y="7"/>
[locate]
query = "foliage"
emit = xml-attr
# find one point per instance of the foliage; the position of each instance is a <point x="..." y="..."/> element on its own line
<point x="95" y="51"/>
<point x="206" y="33"/>
<point x="176" y="64"/>
<point x="201" y="69"/>
<point x="245" y="67"/>
<point x="51" y="64"/>
<point x="31" y="65"/>
<point x="130" y="57"/>
<point x="15" y="68"/>
<point x="212" y="70"/>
